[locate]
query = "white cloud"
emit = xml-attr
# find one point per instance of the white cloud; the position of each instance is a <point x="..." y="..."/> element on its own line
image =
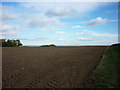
<point x="50" y="28"/>
<point x="60" y="32"/>
<point x="109" y="35"/>
<point x="77" y="26"/>
<point x="7" y="34"/>
<point x="9" y="30"/>
<point x="42" y="21"/>
<point x="61" y="11"/>
<point x="91" y="33"/>
<point x="84" y="32"/>
<point x="42" y="7"/>
<point x="97" y="21"/>
<point x="60" y="40"/>
<point x="98" y="38"/>
<point x="85" y="39"/>
<point x="8" y="13"/>
<point x="9" y="16"/>
<point x="10" y="27"/>
<point x="106" y="38"/>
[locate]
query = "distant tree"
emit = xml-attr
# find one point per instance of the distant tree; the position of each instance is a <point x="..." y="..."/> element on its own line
<point x="2" y="42"/>
<point x="19" y="43"/>
<point x="52" y="45"/>
<point x="44" y="45"/>
<point x="10" y="43"/>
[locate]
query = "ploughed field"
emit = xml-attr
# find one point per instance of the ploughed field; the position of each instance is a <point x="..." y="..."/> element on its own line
<point x="48" y="67"/>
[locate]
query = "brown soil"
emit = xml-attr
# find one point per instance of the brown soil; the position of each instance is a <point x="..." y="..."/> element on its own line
<point x="48" y="67"/>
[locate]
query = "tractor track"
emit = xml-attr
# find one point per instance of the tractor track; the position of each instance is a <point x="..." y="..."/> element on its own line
<point x="51" y="81"/>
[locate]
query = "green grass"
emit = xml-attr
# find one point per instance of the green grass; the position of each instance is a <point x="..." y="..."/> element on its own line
<point x="108" y="73"/>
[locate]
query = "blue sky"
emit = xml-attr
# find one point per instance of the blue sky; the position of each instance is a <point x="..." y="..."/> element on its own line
<point x="60" y="23"/>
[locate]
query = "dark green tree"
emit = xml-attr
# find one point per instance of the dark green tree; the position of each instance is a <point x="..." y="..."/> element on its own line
<point x="19" y="43"/>
<point x="52" y="45"/>
<point x="10" y="43"/>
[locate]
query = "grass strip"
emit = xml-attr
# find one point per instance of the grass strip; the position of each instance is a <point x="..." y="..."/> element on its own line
<point x="108" y="73"/>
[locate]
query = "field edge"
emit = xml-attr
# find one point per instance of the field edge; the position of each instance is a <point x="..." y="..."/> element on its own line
<point x="106" y="74"/>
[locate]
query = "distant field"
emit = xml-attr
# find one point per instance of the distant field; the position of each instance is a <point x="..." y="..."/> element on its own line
<point x="49" y="67"/>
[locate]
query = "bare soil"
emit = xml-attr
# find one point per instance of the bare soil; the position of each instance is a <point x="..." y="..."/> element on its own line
<point x="48" y="67"/>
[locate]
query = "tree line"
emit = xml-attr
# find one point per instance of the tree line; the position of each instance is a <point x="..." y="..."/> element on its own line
<point x="10" y="43"/>
<point x="51" y="45"/>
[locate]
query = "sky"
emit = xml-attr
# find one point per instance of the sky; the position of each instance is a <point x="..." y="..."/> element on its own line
<point x="60" y="23"/>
